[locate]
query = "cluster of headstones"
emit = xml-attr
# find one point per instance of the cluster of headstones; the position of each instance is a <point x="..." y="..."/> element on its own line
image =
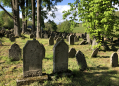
<point x="9" y="34"/>
<point x="34" y="52"/>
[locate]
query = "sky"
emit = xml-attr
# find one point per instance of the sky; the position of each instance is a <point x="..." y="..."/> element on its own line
<point x="61" y="7"/>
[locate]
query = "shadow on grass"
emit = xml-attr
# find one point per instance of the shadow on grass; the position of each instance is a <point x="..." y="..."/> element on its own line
<point x="93" y="77"/>
<point x="102" y="56"/>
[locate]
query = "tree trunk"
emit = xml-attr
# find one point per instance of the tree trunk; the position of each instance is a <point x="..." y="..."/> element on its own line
<point x="26" y="12"/>
<point x="16" y="14"/>
<point x="23" y="16"/>
<point x="38" y="19"/>
<point x="33" y="15"/>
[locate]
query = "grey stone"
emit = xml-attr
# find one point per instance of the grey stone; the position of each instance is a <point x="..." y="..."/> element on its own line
<point x="71" y="40"/>
<point x="1" y="43"/>
<point x="15" y="52"/>
<point x="58" y="39"/>
<point x="88" y="39"/>
<point x="51" y="41"/>
<point x="94" y="43"/>
<point x="60" y="57"/>
<point x="83" y="42"/>
<point x="31" y="35"/>
<point x="33" y="53"/>
<point x="95" y="52"/>
<point x="114" y="60"/>
<point x="12" y="39"/>
<point x="72" y="52"/>
<point x="76" y="39"/>
<point x="81" y="60"/>
<point x="45" y="35"/>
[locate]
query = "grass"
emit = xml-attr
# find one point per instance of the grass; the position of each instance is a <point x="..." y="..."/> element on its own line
<point x="79" y="29"/>
<point x="99" y="74"/>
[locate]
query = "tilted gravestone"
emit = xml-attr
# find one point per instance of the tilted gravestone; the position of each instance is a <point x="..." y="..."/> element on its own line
<point x="71" y="40"/>
<point x="15" y="52"/>
<point x="33" y="54"/>
<point x="60" y="57"/>
<point x="81" y="60"/>
<point x="83" y="42"/>
<point x="95" y="52"/>
<point x="72" y="52"/>
<point x="58" y="39"/>
<point x="114" y="60"/>
<point x="51" y="40"/>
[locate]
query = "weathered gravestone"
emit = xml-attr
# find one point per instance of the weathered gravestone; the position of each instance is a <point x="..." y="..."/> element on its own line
<point x="94" y="42"/>
<point x="15" y="52"/>
<point x="88" y="39"/>
<point x="33" y="54"/>
<point x="95" y="52"/>
<point x="76" y="39"/>
<point x="45" y="35"/>
<point x="71" y="40"/>
<point x="51" y="40"/>
<point x="118" y="51"/>
<point x="81" y="60"/>
<point x="72" y="52"/>
<point x="114" y="60"/>
<point x="83" y="42"/>
<point x="60" y="57"/>
<point x="31" y="36"/>
<point x="1" y="43"/>
<point x="58" y="39"/>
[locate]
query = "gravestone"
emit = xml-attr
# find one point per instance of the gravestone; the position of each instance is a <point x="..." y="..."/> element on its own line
<point x="71" y="40"/>
<point x="12" y="39"/>
<point x="51" y="41"/>
<point x="88" y="39"/>
<point x="114" y="60"/>
<point x="45" y="35"/>
<point x="60" y="57"/>
<point x="31" y="36"/>
<point x="81" y="60"/>
<point x="95" y="52"/>
<point x="83" y="42"/>
<point x="1" y="43"/>
<point x="58" y="39"/>
<point x="75" y="39"/>
<point x="15" y="52"/>
<point x="118" y="51"/>
<point x="94" y="43"/>
<point x="72" y="52"/>
<point x="33" y="53"/>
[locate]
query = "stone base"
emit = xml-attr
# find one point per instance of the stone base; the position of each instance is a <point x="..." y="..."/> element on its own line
<point x="67" y="73"/>
<point x="27" y="80"/>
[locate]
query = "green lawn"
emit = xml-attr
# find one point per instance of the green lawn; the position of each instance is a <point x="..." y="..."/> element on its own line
<point x="79" y="29"/>
<point x="99" y="74"/>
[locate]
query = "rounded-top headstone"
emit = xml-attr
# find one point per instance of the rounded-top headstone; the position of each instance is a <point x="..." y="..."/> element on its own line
<point x="81" y="60"/>
<point x="72" y="52"/>
<point x="60" y="57"/>
<point x="15" y="52"/>
<point x="114" y="60"/>
<point x="33" y="53"/>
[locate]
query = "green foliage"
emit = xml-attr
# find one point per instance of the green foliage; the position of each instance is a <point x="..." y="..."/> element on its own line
<point x="6" y="21"/>
<point x="98" y="17"/>
<point x="51" y="25"/>
<point x="65" y="27"/>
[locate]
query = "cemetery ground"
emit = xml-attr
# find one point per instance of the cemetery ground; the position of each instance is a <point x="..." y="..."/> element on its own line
<point x="99" y="72"/>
